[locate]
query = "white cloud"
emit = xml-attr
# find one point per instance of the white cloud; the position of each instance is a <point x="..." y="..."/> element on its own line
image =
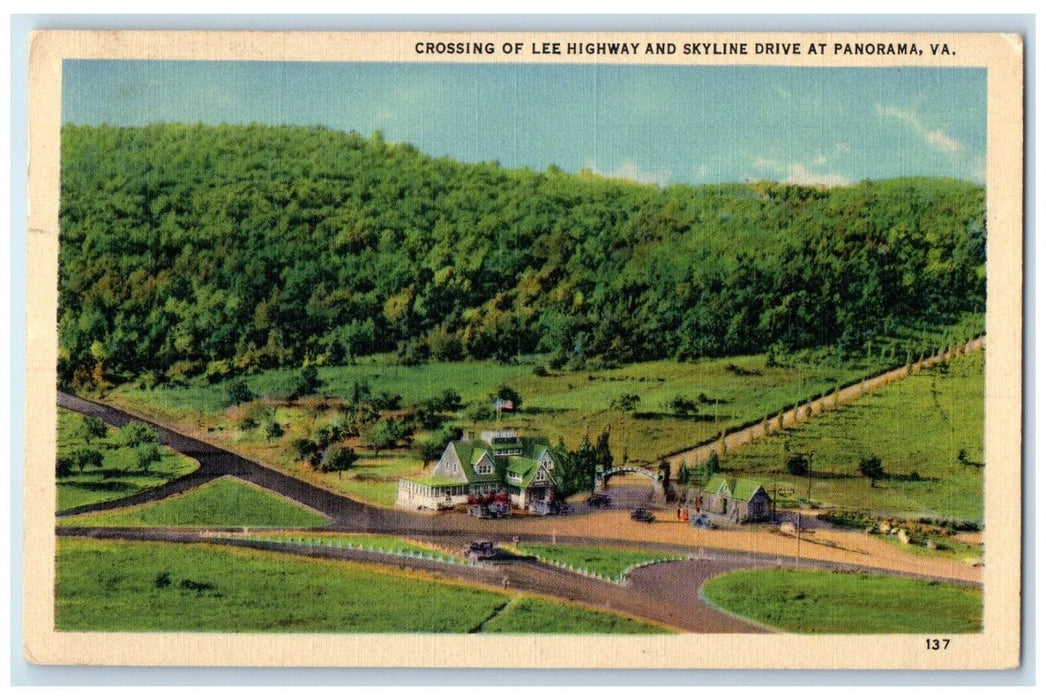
<point x="800" y="173"/>
<point x="630" y="170"/>
<point x="942" y="141"/>
<point x="934" y="137"/>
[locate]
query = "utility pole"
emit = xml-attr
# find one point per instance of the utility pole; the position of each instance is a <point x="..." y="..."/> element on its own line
<point x="798" y="529"/>
<point x="809" y="476"/>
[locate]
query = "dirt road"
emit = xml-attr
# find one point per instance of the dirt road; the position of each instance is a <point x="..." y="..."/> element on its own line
<point x="848" y="394"/>
<point x="614" y="526"/>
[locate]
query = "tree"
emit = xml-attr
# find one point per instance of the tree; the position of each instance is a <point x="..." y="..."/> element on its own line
<point x="87" y="457"/>
<point x="304" y="448"/>
<point x="238" y="392"/>
<point x="711" y="466"/>
<point x="63" y="466"/>
<point x="134" y="434"/>
<point x="681" y="406"/>
<point x="305" y="384"/>
<point x="625" y="402"/>
<point x="431" y="449"/>
<point x="92" y="428"/>
<point x="450" y="401"/>
<point x="273" y="431"/>
<point x="798" y="465"/>
<point x="380" y="435"/>
<point x="604" y="459"/>
<point x="871" y="467"/>
<point x="684" y="473"/>
<point x="146" y="455"/>
<point x="337" y="459"/>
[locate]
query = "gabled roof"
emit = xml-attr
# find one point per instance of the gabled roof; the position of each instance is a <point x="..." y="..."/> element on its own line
<point x="738" y="489"/>
<point x="469" y="454"/>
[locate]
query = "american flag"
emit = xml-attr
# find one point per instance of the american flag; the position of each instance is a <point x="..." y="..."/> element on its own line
<point x="503" y="405"/>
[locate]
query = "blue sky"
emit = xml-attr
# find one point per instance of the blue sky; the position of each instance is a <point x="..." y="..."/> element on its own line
<point x="660" y="124"/>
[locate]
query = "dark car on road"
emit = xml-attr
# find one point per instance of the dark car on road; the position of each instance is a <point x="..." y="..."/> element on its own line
<point x="480" y="550"/>
<point x="598" y="500"/>
<point x="642" y="515"/>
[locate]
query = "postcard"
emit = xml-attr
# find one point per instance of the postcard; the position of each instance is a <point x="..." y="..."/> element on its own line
<point x="524" y="350"/>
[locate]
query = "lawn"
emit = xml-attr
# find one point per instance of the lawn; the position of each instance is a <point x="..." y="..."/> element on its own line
<point x="606" y="562"/>
<point x="824" y="602"/>
<point x="110" y="586"/>
<point x="527" y="615"/>
<point x="224" y="502"/>
<point x="108" y="482"/>
<point x="916" y="426"/>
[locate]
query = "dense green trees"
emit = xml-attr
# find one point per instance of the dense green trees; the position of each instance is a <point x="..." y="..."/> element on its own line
<point x="192" y="249"/>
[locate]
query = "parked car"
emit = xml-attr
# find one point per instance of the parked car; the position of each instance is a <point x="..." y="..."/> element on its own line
<point x="702" y="521"/>
<point x="541" y="508"/>
<point x="499" y="510"/>
<point x="642" y="515"/>
<point x="560" y="507"/>
<point x="478" y="511"/>
<point x="480" y="550"/>
<point x="599" y="500"/>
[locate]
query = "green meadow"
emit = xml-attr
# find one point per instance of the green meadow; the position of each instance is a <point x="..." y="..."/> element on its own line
<point x="824" y="602"/>
<point x="111" y="480"/>
<point x="570" y="405"/>
<point x="916" y="426"/>
<point x="609" y="562"/>
<point x="224" y="502"/>
<point x="527" y="615"/>
<point x="108" y="586"/>
<point x="722" y="393"/>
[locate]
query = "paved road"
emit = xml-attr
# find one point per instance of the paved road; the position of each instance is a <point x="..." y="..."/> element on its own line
<point x="667" y="593"/>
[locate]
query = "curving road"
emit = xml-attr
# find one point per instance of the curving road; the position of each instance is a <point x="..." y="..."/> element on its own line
<point x="667" y="593"/>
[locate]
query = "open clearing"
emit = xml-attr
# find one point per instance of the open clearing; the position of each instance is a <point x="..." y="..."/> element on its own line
<point x="916" y="426"/>
<point x="224" y="502"/>
<point x="846" y="603"/>
<point x="108" y="482"/>
<point x="109" y="586"/>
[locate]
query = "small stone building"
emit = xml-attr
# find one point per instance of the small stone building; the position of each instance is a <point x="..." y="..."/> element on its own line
<point x="736" y="500"/>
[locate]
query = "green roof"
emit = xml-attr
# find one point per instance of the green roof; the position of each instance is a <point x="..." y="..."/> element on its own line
<point x="524" y="466"/>
<point x="434" y="481"/>
<point x="468" y="454"/>
<point x="739" y="489"/>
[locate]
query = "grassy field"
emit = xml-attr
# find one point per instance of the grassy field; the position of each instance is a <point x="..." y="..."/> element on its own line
<point x="846" y="603"/>
<point x="97" y="485"/>
<point x="224" y="502"/>
<point x="724" y="392"/>
<point x="525" y="615"/>
<point x="916" y="426"/>
<point x="109" y="586"/>
<point x="568" y="405"/>
<point x="608" y="562"/>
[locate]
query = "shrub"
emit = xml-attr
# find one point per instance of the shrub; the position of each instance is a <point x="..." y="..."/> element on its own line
<point x="798" y="465"/>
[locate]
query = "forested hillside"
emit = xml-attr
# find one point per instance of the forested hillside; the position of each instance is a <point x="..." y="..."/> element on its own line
<point x="188" y="249"/>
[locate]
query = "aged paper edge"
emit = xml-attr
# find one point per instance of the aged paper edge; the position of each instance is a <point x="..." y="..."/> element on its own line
<point x="996" y="648"/>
